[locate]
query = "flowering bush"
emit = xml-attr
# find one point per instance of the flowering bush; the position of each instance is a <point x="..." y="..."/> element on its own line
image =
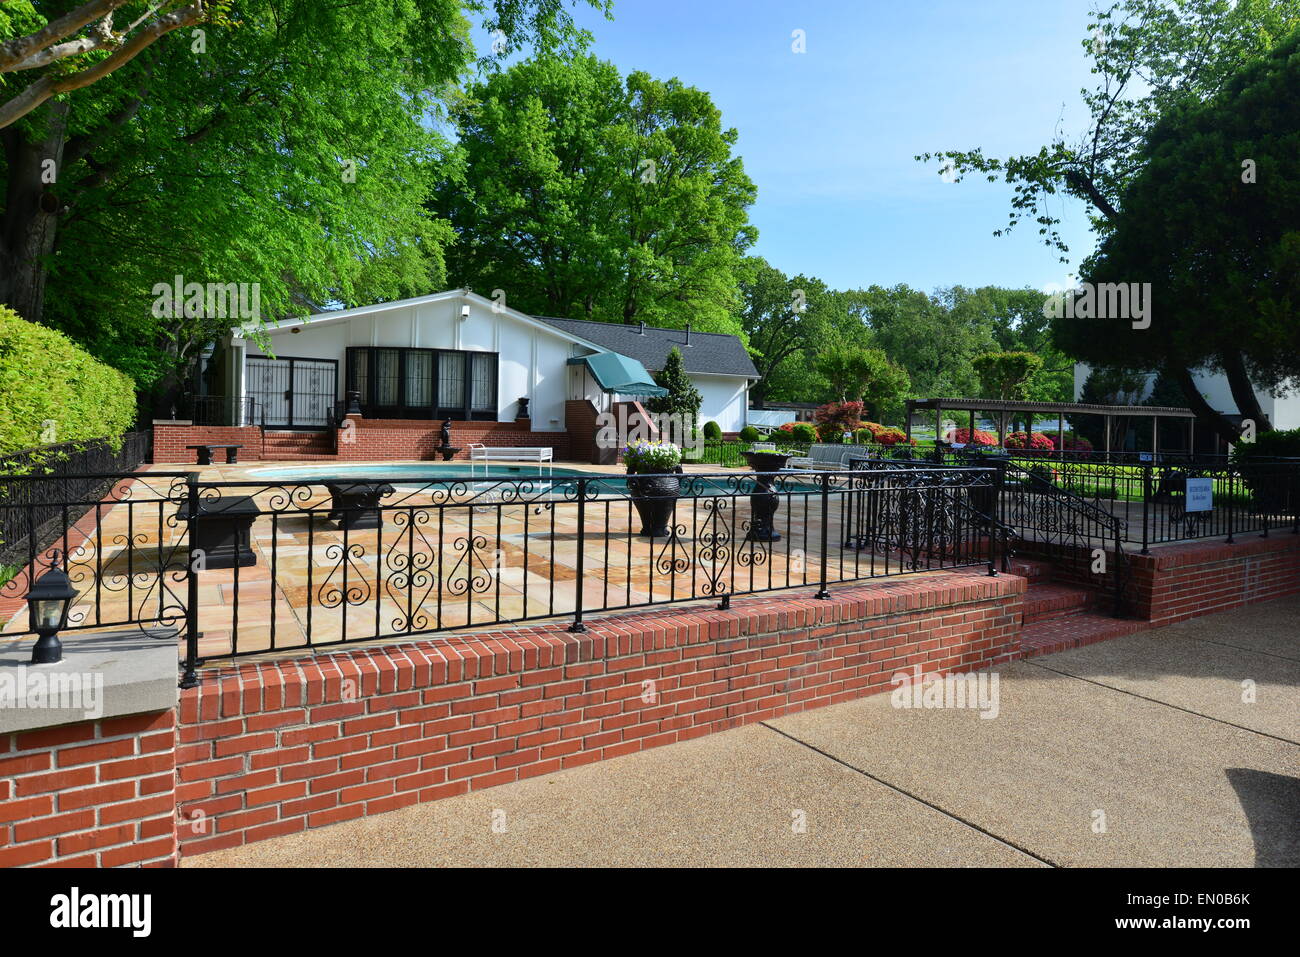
<point x="1033" y="443"/>
<point x="651" y="458"/>
<point x="798" y="431"/>
<point x="963" y="437"/>
<point x="836" y="418"/>
<point x="1071" y="442"/>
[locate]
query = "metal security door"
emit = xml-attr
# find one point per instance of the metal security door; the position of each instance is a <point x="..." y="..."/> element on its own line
<point x="293" y="393"/>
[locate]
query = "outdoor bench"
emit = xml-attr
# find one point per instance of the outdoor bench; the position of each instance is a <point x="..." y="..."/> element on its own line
<point x="205" y="453"/>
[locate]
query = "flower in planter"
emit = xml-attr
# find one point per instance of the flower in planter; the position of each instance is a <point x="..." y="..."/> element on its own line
<point x="651" y="458"/>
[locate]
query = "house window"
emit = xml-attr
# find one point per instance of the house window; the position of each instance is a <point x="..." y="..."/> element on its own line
<point x="424" y="383"/>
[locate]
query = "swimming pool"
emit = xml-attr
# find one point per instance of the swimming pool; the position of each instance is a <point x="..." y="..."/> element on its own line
<point x="415" y="476"/>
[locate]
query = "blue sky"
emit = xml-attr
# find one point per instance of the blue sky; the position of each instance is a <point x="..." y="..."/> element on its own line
<point x="828" y="136"/>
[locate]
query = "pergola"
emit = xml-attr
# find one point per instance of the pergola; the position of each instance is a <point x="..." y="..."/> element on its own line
<point x="1061" y="409"/>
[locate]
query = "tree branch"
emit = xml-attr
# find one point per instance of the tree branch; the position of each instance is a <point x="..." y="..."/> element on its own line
<point x="49" y="86"/>
<point x="13" y="53"/>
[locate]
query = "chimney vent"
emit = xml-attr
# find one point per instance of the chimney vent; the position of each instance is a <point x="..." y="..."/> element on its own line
<point x="642" y="332"/>
<point x="688" y="333"/>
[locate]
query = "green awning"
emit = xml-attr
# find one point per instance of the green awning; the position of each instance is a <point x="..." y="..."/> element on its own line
<point x="618" y="373"/>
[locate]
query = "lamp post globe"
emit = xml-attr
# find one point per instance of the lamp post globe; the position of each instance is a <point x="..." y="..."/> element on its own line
<point x="48" y="601"/>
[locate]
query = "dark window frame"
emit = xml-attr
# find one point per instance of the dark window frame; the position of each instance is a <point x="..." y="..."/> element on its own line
<point x="462" y="412"/>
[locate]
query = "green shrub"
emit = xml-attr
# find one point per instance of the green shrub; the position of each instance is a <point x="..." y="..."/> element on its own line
<point x="750" y="434"/>
<point x="712" y="431"/>
<point x="803" y="432"/>
<point x="53" y="391"/>
<point x="1278" y="444"/>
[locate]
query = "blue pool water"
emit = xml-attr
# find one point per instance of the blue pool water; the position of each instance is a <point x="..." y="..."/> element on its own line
<point x="413" y="476"/>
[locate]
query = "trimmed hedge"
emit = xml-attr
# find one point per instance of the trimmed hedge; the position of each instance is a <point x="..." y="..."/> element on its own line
<point x="53" y="391"/>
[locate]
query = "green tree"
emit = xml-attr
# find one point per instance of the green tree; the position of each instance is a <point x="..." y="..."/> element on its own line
<point x="863" y="375"/>
<point x="1211" y="223"/>
<point x="292" y="147"/>
<point x="1006" y="375"/>
<point x="790" y="321"/>
<point x="933" y="342"/>
<point x="588" y="195"/>
<point x="683" y="398"/>
<point x="1153" y="59"/>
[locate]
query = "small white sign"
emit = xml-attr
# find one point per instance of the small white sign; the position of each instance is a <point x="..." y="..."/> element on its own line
<point x="1200" y="495"/>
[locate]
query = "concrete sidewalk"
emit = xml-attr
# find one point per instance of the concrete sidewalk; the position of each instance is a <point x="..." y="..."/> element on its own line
<point x="1135" y="752"/>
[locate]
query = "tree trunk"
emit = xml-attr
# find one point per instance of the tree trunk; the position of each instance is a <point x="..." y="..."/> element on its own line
<point x="1243" y="393"/>
<point x="1221" y="425"/>
<point x="31" y="215"/>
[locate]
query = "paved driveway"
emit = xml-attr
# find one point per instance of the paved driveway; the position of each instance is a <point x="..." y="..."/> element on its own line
<point x="1179" y="746"/>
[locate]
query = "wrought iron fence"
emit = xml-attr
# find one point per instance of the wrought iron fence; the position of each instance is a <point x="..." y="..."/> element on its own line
<point x="1150" y="498"/>
<point x="220" y="410"/>
<point x="38" y="487"/>
<point x="240" y="568"/>
<point x="120" y="538"/>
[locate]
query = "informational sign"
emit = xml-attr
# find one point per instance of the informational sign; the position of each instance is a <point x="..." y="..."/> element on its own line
<point x="1200" y="495"/>
<point x="1146" y="457"/>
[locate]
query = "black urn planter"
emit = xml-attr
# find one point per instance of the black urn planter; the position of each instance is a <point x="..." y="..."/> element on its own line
<point x="764" y="502"/>
<point x="655" y="496"/>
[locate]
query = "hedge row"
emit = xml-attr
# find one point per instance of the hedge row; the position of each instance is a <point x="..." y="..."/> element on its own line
<point x="53" y="391"/>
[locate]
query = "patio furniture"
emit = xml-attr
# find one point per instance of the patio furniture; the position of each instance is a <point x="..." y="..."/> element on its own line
<point x="825" y="457"/>
<point x="356" y="504"/>
<point x="481" y="453"/>
<point x="205" y="453"/>
<point x="222" y="531"/>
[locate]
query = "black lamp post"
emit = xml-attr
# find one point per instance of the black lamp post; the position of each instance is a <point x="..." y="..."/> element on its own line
<point x="48" y="601"/>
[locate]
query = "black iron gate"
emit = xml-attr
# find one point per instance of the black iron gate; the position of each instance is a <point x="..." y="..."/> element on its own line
<point x="293" y="393"/>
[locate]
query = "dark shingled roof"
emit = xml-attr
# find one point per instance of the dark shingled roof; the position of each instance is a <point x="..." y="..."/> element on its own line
<point x="714" y="352"/>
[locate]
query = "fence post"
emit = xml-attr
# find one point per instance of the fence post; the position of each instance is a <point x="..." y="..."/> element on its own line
<point x="190" y="678"/>
<point x="1232" y="501"/>
<point x="1146" y="507"/>
<point x="577" y="625"/>
<point x="826" y="511"/>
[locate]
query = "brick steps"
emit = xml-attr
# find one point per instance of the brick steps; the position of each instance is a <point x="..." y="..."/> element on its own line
<point x="1060" y="617"/>
<point x="1074" y="631"/>
<point x="286" y="446"/>
<point x="1044" y="601"/>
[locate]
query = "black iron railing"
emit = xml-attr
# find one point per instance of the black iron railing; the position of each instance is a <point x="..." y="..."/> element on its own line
<point x="39" y="485"/>
<point x="361" y="559"/>
<point x="220" y="410"/>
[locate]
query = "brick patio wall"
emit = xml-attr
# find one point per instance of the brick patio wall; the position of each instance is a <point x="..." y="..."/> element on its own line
<point x="170" y="439"/>
<point x="418" y="438"/>
<point x="272" y="748"/>
<point x="1176" y="582"/>
<point x="91" y="794"/>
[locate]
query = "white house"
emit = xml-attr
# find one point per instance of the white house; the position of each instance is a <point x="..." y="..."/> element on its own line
<point x="461" y="356"/>
<point x="1282" y="411"/>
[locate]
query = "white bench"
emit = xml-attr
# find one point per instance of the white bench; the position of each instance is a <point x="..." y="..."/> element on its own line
<point x="481" y="453"/>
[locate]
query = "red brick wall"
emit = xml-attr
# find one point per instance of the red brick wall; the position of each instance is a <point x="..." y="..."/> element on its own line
<point x="1176" y="582"/>
<point x="418" y="438"/>
<point x="170" y="439"/>
<point x="580" y="418"/>
<point x="91" y="794"/>
<point x="273" y="748"/>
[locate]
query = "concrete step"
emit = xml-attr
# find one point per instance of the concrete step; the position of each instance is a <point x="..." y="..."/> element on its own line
<point x="1074" y="631"/>
<point x="1045" y="601"/>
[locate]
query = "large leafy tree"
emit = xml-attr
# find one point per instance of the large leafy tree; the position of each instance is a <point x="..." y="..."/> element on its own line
<point x="1213" y="223"/>
<point x="933" y="341"/>
<point x="858" y="374"/>
<point x="589" y="195"/>
<point x="1151" y="57"/>
<point x="790" y="322"/>
<point x="290" y="145"/>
